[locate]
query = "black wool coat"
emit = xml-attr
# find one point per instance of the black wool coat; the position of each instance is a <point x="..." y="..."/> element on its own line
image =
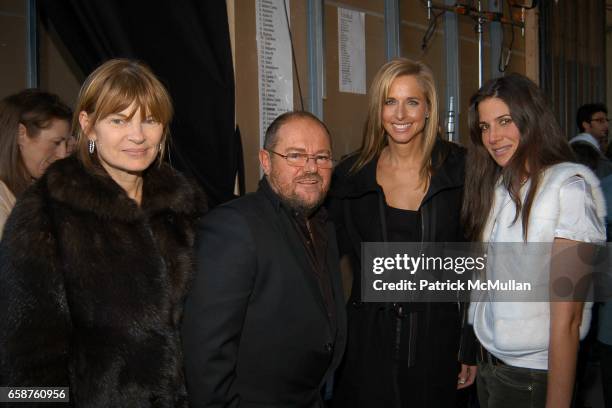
<point x="256" y="331"/>
<point x="413" y="361"/>
<point x="92" y="287"/>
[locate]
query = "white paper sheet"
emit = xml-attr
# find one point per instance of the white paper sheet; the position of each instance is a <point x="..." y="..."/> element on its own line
<point x="351" y="51"/>
<point x="274" y="62"/>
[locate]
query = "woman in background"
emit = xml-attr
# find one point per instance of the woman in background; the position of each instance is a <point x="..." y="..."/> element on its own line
<point x="521" y="187"/>
<point x="97" y="256"/>
<point x="404" y="185"/>
<point x="34" y="130"/>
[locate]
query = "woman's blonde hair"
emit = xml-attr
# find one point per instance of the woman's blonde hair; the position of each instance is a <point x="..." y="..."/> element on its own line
<point x="113" y="87"/>
<point x="374" y="135"/>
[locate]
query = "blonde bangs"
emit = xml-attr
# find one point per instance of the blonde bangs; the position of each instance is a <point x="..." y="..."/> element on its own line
<point x="115" y="86"/>
<point x="124" y="91"/>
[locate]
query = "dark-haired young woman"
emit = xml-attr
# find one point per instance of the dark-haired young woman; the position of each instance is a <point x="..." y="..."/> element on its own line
<point x="521" y="187"/>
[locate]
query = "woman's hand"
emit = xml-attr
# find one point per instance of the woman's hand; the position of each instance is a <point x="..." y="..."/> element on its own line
<point x="466" y="376"/>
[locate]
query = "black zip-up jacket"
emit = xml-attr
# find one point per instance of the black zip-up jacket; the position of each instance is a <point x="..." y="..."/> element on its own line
<point x="411" y="357"/>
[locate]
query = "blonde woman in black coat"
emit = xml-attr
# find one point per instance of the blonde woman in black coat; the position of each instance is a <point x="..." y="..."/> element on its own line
<point x="97" y="255"/>
<point x="404" y="185"/>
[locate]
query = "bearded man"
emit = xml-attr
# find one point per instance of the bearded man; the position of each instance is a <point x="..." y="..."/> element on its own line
<point x="264" y="324"/>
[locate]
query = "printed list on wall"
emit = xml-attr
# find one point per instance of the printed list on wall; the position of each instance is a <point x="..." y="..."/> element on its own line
<point x="351" y="51"/>
<point x="274" y="61"/>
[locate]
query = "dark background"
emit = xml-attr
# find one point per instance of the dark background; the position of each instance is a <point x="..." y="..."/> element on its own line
<point x="187" y="45"/>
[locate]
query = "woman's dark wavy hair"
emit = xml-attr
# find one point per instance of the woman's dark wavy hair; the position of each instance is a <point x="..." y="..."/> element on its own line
<point x="542" y="144"/>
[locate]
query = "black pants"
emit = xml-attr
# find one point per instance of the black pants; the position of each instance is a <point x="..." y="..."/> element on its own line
<point x="606" y="372"/>
<point x="504" y="386"/>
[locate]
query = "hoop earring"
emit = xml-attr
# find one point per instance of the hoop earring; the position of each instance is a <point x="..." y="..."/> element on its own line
<point x="91" y="146"/>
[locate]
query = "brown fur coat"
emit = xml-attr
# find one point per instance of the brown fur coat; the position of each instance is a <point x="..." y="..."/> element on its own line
<point x="92" y="287"/>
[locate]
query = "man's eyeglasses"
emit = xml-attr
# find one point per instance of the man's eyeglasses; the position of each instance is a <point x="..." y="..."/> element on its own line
<point x="296" y="159"/>
<point x="601" y="121"/>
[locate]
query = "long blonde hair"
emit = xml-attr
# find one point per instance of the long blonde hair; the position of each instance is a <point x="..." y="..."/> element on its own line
<point x="374" y="135"/>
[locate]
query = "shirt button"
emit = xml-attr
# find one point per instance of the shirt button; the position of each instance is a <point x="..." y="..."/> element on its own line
<point x="329" y="347"/>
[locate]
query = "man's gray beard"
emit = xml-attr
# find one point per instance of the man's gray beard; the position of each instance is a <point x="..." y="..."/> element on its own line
<point x="293" y="201"/>
<point x="298" y="205"/>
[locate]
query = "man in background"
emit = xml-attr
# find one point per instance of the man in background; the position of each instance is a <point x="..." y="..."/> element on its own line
<point x="589" y="148"/>
<point x="592" y="118"/>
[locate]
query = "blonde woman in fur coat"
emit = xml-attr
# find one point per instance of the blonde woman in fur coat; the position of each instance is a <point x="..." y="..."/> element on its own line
<point x="97" y="255"/>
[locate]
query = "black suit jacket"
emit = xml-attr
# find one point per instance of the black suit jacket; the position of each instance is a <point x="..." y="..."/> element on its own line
<point x="255" y="330"/>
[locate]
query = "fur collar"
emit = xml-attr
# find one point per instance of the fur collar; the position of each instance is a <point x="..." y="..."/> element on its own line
<point x="164" y="189"/>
